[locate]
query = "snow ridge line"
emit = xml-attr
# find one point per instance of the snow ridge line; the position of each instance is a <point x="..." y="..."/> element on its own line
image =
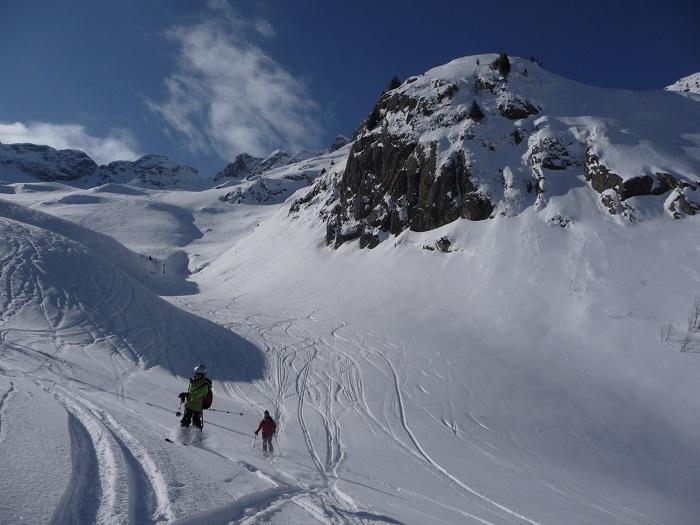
<point x="80" y="501"/>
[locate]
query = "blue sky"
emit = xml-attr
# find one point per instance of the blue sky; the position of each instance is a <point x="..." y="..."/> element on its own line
<point x="201" y="81"/>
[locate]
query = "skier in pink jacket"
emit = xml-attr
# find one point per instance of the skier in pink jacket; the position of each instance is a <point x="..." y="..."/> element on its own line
<point x="268" y="427"/>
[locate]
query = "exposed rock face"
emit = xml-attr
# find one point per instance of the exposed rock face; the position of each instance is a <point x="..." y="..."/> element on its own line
<point x="615" y="190"/>
<point x="515" y="108"/>
<point x="338" y="143"/>
<point x="394" y="180"/>
<point x="393" y="184"/>
<point x="247" y="166"/>
<point x="467" y="141"/>
<point x="241" y="167"/>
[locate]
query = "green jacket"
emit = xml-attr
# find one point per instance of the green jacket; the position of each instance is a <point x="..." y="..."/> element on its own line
<point x="196" y="393"/>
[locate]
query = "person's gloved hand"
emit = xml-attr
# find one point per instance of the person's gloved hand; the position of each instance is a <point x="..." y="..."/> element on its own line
<point x="183" y="396"/>
<point x="256" y="432"/>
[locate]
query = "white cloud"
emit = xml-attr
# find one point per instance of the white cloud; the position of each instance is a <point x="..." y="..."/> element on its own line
<point x="119" y="145"/>
<point x="228" y="96"/>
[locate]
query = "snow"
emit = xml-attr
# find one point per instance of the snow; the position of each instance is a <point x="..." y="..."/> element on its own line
<point x="519" y="379"/>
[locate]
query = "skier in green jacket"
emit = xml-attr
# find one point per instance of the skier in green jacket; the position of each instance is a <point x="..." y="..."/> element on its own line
<point x="193" y="398"/>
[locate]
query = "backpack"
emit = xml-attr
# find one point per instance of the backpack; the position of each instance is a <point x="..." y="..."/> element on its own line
<point x="206" y="403"/>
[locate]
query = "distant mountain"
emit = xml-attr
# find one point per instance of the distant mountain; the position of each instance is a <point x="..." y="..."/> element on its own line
<point x="241" y="167"/>
<point x="24" y="162"/>
<point x="44" y="163"/>
<point x="152" y="170"/>
<point x="273" y="179"/>
<point x="275" y="185"/>
<point x="479" y="138"/>
<point x="490" y="136"/>
<point x="246" y="166"/>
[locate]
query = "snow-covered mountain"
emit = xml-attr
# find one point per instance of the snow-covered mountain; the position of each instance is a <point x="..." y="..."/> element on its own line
<point x="475" y="139"/>
<point x="246" y="166"/>
<point x="26" y="162"/>
<point x="44" y="163"/>
<point x="519" y="346"/>
<point x="689" y="84"/>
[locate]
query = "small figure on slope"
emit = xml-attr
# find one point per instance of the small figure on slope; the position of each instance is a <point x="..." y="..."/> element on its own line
<point x="268" y="427"/>
<point x="194" y="397"/>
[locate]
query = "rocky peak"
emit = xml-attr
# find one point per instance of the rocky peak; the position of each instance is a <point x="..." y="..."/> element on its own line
<point x="241" y="167"/>
<point x="246" y="166"/>
<point x="46" y="163"/>
<point x="339" y="142"/>
<point x="477" y="140"/>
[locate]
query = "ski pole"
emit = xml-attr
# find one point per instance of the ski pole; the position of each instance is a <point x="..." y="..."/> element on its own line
<point x="225" y="411"/>
<point x="178" y="413"/>
<point x="254" y="440"/>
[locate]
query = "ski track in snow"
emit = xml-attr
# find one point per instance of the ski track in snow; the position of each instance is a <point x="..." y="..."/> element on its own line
<point x="316" y="399"/>
<point x="313" y="384"/>
<point x="317" y="378"/>
<point x="114" y="479"/>
<point x="324" y="397"/>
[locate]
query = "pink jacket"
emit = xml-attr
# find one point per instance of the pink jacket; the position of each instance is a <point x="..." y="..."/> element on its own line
<point x="267" y="425"/>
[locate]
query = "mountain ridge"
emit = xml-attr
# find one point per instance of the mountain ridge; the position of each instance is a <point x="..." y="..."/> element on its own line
<point x="472" y="139"/>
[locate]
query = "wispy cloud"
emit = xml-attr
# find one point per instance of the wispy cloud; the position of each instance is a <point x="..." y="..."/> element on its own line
<point x="119" y="145"/>
<point x="228" y="96"/>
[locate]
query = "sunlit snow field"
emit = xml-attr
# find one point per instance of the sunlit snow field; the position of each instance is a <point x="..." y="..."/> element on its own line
<point x="519" y="379"/>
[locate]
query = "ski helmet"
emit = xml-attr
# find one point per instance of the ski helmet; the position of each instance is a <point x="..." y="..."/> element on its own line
<point x="200" y="369"/>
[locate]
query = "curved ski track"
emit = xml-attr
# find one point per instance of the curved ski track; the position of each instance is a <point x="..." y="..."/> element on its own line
<point x="317" y="376"/>
<point x="314" y="382"/>
<point x="114" y="480"/>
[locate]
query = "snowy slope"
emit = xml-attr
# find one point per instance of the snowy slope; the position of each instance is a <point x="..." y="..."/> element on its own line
<point x="522" y="378"/>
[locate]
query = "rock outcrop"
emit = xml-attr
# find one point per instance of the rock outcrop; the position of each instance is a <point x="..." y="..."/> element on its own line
<point x="476" y="141"/>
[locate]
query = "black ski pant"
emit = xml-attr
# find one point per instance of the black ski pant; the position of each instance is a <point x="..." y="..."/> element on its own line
<point x="267" y="441"/>
<point x="191" y="416"/>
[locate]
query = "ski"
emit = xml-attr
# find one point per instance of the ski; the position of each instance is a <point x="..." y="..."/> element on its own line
<point x="171" y="441"/>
